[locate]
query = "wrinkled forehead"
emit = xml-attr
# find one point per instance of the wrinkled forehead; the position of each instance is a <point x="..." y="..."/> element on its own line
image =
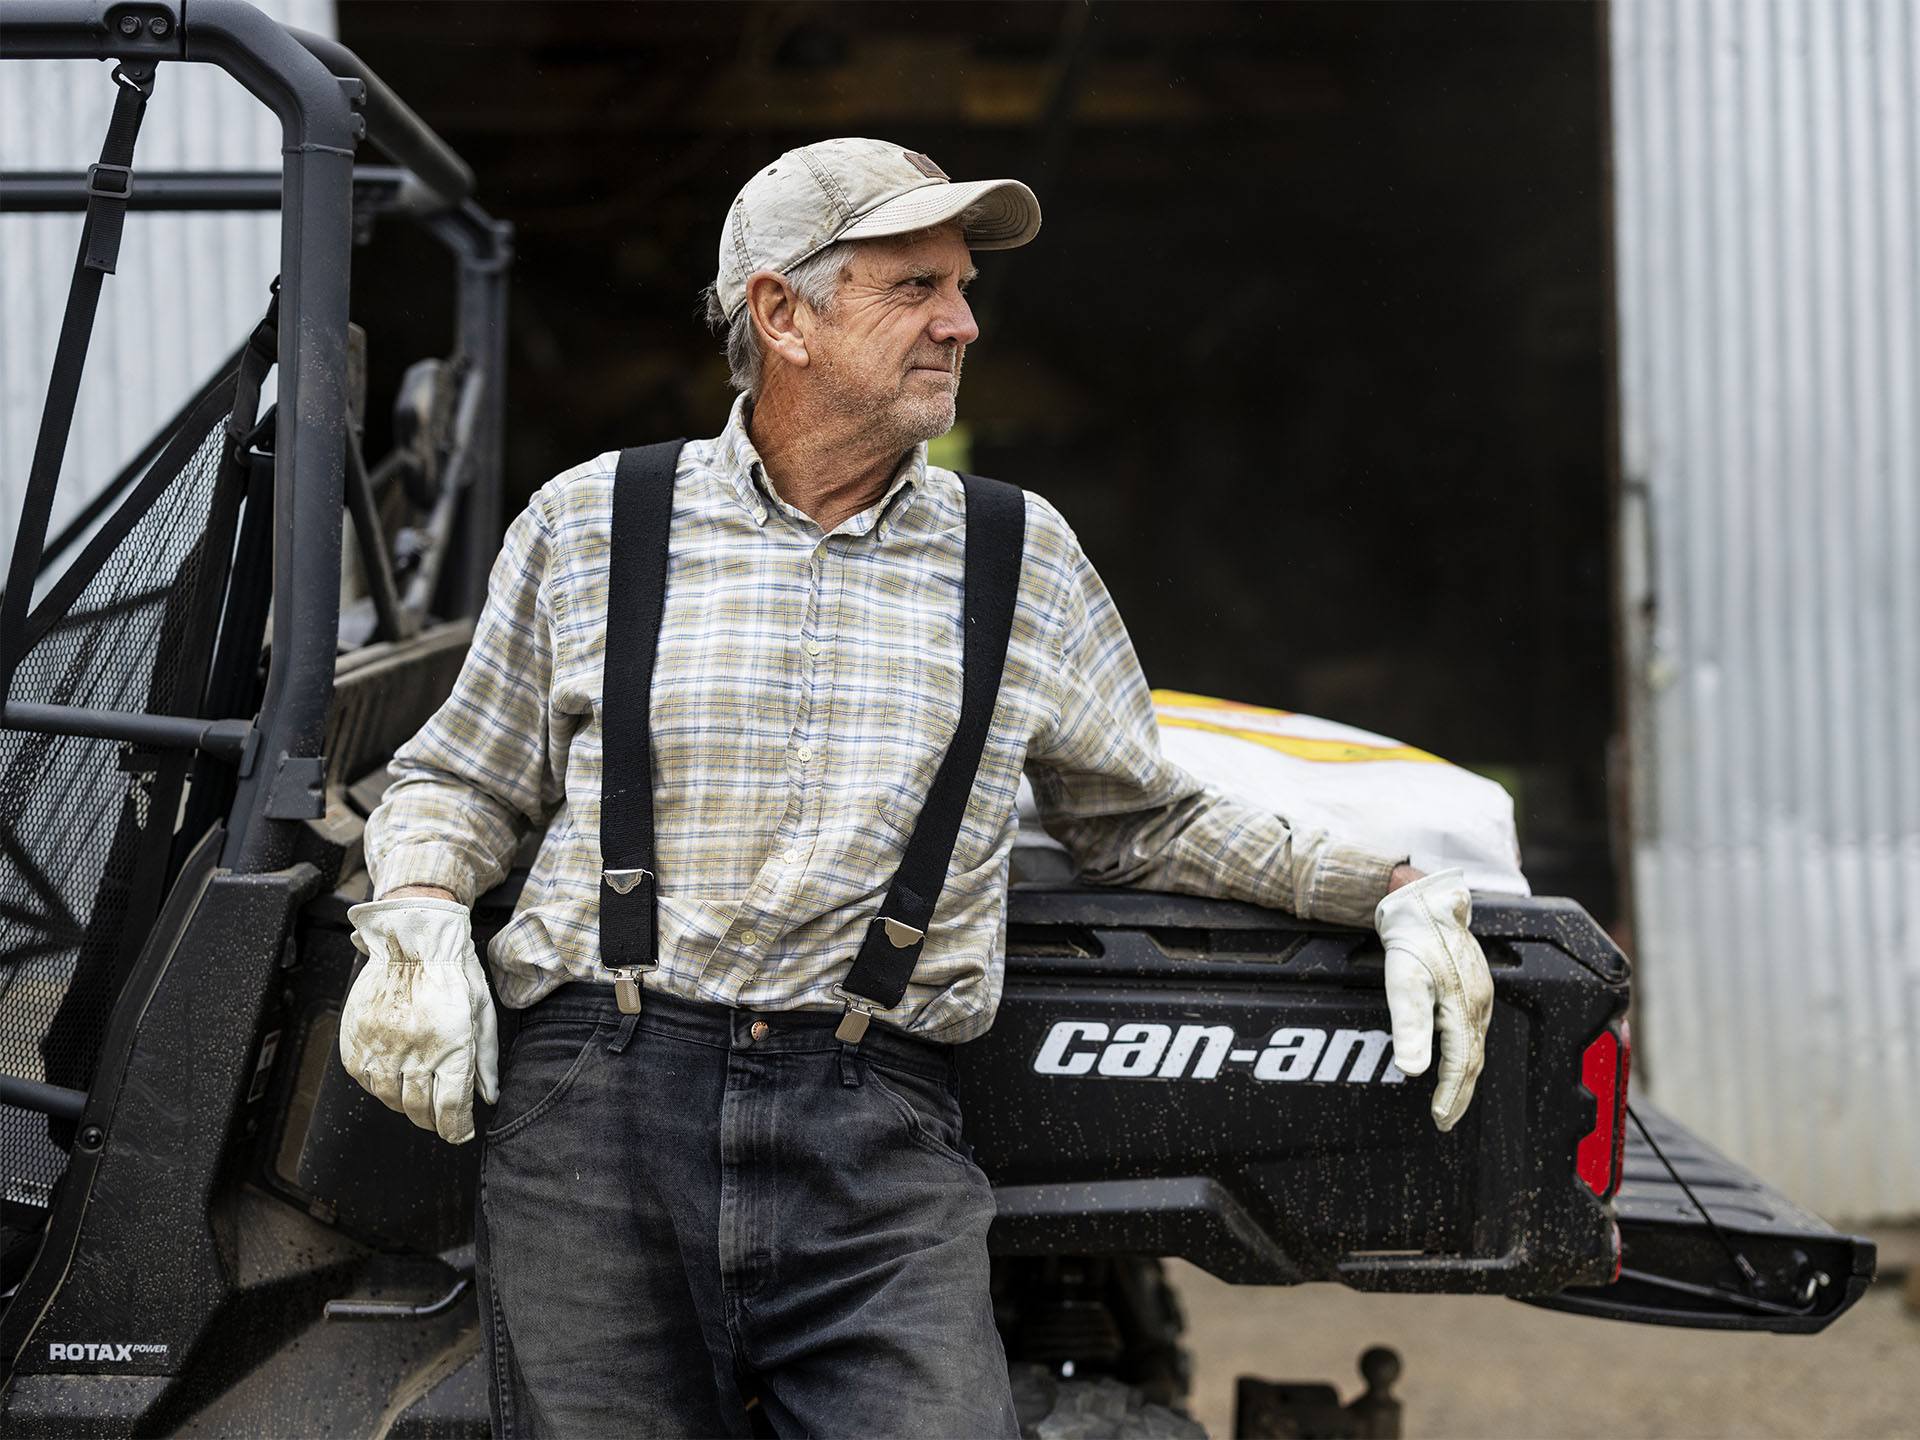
<point x="941" y="250"/>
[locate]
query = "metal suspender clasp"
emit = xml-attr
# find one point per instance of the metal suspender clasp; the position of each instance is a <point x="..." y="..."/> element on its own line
<point x="860" y="1008"/>
<point x="853" y="1025"/>
<point x="626" y="984"/>
<point x="899" y="934"/>
<point x="626" y="987"/>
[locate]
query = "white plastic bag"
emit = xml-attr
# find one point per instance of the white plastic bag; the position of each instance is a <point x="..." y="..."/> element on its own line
<point x="1361" y="788"/>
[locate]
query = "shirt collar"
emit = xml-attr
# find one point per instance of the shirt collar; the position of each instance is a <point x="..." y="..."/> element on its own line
<point x="747" y="477"/>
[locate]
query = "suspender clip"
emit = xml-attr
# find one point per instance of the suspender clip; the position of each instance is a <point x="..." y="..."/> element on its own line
<point x="853" y="1025"/>
<point x="623" y="881"/>
<point x="900" y="935"/>
<point x="626" y="987"/>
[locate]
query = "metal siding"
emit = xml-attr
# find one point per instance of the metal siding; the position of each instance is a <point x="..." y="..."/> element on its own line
<point x="1767" y="213"/>
<point x="188" y="287"/>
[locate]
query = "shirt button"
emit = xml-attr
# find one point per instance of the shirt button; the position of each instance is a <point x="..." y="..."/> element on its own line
<point x="749" y="937"/>
<point x="793" y="855"/>
<point x="805" y="753"/>
<point x="759" y="1030"/>
<point x="813" y="647"/>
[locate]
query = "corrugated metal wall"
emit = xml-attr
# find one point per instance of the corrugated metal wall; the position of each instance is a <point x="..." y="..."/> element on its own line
<point x="1767" y="174"/>
<point x="188" y="289"/>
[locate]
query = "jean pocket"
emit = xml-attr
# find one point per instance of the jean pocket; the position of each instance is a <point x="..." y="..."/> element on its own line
<point x="545" y="1060"/>
<point x="927" y="1108"/>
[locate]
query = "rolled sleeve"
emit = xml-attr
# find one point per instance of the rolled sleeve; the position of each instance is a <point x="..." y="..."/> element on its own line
<point x="482" y="769"/>
<point x="1130" y="816"/>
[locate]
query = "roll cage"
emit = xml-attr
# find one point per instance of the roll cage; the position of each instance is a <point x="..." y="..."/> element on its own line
<point x="173" y="688"/>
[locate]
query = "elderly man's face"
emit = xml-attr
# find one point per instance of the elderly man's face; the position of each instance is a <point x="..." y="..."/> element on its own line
<point x="891" y="344"/>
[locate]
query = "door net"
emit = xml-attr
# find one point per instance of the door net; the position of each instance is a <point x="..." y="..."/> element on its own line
<point x="87" y="824"/>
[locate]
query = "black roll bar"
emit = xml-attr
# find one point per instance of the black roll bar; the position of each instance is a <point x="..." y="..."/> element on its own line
<point x="36" y="1095"/>
<point x="391" y="123"/>
<point x="326" y="100"/>
<point x="385" y="189"/>
<point x="88" y="30"/>
<point x="230" y="738"/>
<point x="318" y="130"/>
<point x="49" y="191"/>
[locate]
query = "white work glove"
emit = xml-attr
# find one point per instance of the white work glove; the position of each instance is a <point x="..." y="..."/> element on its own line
<point x="418" y="1027"/>
<point x="1435" y="964"/>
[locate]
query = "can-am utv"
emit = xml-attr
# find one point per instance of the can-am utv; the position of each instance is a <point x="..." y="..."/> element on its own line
<point x="209" y="1227"/>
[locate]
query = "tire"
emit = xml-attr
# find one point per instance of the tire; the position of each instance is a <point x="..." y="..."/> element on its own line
<point x="1051" y="1408"/>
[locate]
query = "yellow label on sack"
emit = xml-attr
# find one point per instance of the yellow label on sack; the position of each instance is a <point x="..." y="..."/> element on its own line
<point x="1301" y="747"/>
<point x="1187" y="701"/>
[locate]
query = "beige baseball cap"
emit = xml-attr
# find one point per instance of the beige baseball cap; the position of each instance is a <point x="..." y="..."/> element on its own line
<point x="854" y="189"/>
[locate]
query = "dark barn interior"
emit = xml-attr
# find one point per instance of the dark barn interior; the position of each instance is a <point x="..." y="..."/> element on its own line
<point x="1311" y="349"/>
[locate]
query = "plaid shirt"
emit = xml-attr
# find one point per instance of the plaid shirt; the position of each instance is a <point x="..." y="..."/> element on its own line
<point x="805" y="689"/>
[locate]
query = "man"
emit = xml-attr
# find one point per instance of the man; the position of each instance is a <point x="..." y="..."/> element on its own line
<point x="715" y="1184"/>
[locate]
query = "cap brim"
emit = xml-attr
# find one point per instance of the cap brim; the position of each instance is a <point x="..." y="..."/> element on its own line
<point x="1010" y="215"/>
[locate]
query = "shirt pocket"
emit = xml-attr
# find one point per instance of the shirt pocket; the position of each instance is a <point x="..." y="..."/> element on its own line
<point x="920" y="713"/>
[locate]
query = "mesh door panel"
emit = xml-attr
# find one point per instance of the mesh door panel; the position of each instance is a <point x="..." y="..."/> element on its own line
<point x="82" y="818"/>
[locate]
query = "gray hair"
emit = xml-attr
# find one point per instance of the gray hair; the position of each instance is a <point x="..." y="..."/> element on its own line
<point x="815" y="280"/>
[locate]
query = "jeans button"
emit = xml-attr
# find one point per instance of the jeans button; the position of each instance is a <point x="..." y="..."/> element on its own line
<point x="758" y="1030"/>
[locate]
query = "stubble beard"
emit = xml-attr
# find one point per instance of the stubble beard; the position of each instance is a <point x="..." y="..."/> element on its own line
<point x="917" y="411"/>
<point x="929" y="417"/>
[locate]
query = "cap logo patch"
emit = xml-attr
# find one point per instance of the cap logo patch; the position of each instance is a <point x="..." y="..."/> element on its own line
<point x="925" y="166"/>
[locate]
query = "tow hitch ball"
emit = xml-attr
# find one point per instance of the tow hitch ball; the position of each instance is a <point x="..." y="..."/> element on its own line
<point x="1289" y="1409"/>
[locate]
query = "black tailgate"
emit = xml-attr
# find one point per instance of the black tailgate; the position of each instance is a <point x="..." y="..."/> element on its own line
<point x="1174" y="1075"/>
<point x="1762" y="1263"/>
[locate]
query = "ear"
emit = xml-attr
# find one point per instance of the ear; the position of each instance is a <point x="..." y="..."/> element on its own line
<point x="777" y="315"/>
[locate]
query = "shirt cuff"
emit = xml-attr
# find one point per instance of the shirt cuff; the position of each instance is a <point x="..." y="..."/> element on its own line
<point x="424" y="863"/>
<point x="1346" y="882"/>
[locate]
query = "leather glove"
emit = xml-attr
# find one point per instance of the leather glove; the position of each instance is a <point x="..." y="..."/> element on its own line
<point x="1435" y="964"/>
<point x="418" y="1029"/>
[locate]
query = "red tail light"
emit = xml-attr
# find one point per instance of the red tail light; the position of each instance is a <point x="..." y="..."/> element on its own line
<point x="1603" y="1070"/>
<point x="1620" y="1125"/>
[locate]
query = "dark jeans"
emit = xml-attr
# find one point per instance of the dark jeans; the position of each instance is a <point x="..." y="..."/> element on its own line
<point x="713" y="1203"/>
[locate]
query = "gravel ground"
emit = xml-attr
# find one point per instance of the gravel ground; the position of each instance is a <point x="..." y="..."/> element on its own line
<point x="1487" y="1367"/>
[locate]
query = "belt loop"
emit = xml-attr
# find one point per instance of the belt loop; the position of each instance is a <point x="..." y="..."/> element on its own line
<point x="627" y="1024"/>
<point x="849" y="1066"/>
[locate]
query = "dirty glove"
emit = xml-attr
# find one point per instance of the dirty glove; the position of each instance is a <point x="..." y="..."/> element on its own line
<point x="418" y="1027"/>
<point x="1435" y="964"/>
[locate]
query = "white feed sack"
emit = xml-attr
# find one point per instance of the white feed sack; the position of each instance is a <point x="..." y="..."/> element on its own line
<point x="1360" y="787"/>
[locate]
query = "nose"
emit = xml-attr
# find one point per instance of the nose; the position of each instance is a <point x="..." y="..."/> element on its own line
<point x="954" y="322"/>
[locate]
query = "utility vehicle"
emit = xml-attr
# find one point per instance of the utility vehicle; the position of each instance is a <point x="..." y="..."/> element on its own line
<point x="210" y="1228"/>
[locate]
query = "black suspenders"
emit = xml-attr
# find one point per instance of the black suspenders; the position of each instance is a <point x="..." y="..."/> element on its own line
<point x="636" y="593"/>
<point x="995" y="538"/>
<point x="637" y="582"/>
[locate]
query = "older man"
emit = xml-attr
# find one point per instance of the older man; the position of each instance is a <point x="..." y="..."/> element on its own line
<point x="777" y="773"/>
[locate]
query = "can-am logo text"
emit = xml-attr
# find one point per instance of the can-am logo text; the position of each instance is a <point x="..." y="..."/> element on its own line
<point x="110" y="1351"/>
<point x="1147" y="1050"/>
